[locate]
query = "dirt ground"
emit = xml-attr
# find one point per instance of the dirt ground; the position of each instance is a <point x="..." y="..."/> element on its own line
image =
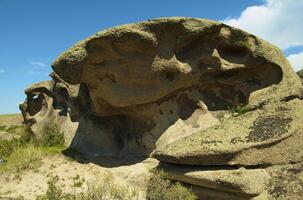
<point x="34" y="183"/>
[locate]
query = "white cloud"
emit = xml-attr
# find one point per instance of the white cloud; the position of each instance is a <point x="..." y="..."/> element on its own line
<point x="277" y="21"/>
<point x="38" y="68"/>
<point x="2" y="71"/>
<point x="36" y="72"/>
<point x="37" y="63"/>
<point x="296" y="60"/>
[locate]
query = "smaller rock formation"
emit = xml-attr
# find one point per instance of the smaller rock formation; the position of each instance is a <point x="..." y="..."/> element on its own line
<point x="47" y="102"/>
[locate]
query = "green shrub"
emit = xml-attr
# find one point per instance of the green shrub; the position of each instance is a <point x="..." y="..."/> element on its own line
<point x="26" y="135"/>
<point x="161" y="188"/>
<point x="23" y="158"/>
<point x="2" y="127"/>
<point x="53" y="192"/>
<point x="51" y="136"/>
<point x="178" y="191"/>
<point x="25" y="152"/>
<point x="7" y="146"/>
<point x="78" y="181"/>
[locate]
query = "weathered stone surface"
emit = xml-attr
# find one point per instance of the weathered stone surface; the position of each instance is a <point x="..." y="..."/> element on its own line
<point x="218" y="182"/>
<point x="171" y="76"/>
<point x="241" y="182"/>
<point x="270" y="135"/>
<point x="286" y="182"/>
<point x="141" y="63"/>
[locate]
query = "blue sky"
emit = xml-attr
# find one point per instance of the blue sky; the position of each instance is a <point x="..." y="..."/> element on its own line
<point x="34" y="32"/>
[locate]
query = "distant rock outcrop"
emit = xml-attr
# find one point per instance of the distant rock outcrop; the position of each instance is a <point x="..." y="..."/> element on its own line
<point x="220" y="108"/>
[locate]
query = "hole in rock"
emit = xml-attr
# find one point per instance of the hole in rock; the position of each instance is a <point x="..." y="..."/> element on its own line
<point x="34" y="104"/>
<point x="170" y="76"/>
<point x="61" y="100"/>
<point x="186" y="106"/>
<point x="234" y="54"/>
<point x="35" y="96"/>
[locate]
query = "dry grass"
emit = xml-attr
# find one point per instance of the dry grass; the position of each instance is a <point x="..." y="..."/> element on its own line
<point x="161" y="188"/>
<point x="106" y="189"/>
<point x="26" y="153"/>
<point x="11" y="119"/>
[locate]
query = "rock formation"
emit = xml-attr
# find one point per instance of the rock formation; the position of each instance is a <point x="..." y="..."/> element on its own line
<point x="220" y="108"/>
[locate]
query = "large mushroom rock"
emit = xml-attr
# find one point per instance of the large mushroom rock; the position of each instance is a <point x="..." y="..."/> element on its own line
<point x="170" y="77"/>
<point x="193" y="91"/>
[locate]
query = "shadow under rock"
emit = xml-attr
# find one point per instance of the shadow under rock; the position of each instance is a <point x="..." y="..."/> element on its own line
<point x="104" y="161"/>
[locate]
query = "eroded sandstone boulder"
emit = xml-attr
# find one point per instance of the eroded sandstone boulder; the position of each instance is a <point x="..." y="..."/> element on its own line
<point x="192" y="91"/>
<point x="46" y="104"/>
<point x="240" y="182"/>
<point x="152" y="75"/>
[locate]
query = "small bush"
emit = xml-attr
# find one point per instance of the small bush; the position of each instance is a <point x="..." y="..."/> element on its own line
<point x="25" y="152"/>
<point x="161" y="188"/>
<point x="7" y="146"/>
<point x="53" y="192"/>
<point x="78" y="181"/>
<point x="51" y="136"/>
<point x="2" y="127"/>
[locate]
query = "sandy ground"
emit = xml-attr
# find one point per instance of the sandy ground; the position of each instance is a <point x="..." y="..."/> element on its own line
<point x="34" y="183"/>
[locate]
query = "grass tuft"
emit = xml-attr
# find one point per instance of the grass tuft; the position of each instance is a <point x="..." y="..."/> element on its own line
<point x="239" y="110"/>
<point x="8" y="146"/>
<point x="25" y="152"/>
<point x="51" y="136"/>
